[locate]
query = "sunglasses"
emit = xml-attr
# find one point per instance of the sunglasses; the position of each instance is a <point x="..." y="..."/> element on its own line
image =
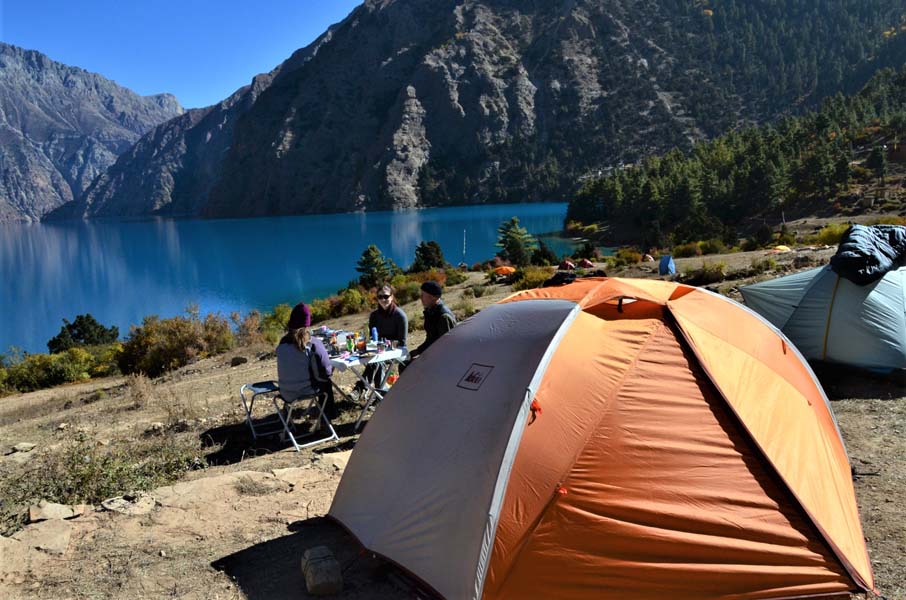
<point x="383" y="296"/>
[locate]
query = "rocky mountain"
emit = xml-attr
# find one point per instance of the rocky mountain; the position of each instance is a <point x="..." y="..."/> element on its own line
<point x="410" y="103"/>
<point x="61" y="127"/>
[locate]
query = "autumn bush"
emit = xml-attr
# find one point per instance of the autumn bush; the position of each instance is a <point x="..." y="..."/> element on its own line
<point x="160" y="345"/>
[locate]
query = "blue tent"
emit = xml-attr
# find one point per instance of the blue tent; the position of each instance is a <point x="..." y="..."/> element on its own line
<point x="667" y="266"/>
<point x="832" y="319"/>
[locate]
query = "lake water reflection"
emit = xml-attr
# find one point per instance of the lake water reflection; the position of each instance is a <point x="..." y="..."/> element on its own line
<point x="121" y="271"/>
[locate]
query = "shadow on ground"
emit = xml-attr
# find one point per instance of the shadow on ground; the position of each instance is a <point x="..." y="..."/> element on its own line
<point x="841" y="382"/>
<point x="272" y="570"/>
<point x="233" y="443"/>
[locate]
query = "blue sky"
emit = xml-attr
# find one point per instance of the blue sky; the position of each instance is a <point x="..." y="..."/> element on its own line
<point x="199" y="50"/>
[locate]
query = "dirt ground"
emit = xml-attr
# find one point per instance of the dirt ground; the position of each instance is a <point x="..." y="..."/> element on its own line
<point x="238" y="527"/>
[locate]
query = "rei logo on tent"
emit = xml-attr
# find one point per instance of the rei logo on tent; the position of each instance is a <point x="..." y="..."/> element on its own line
<point x="475" y="376"/>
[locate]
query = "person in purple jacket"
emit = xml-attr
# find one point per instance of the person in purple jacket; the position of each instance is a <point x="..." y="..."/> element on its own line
<point x="303" y="366"/>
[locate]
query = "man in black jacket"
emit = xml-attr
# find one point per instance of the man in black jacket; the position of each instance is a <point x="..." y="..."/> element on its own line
<point x="438" y="318"/>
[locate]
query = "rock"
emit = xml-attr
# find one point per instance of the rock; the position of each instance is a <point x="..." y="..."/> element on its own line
<point x="238" y="360"/>
<point x="155" y="428"/>
<point x="132" y="505"/>
<point x="24" y="447"/>
<point x="49" y="510"/>
<point x="337" y="460"/>
<point x="321" y="571"/>
<point x="21" y="458"/>
<point x="62" y="426"/>
<point x="50" y="536"/>
<point x="79" y="510"/>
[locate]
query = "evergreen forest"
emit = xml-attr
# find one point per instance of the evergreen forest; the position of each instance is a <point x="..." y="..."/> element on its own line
<point x="754" y="176"/>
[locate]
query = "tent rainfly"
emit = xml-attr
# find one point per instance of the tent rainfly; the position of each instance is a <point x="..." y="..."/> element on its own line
<point x="609" y="439"/>
<point x="830" y="318"/>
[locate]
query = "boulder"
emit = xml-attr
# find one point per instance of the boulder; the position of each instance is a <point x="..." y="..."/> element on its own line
<point x="51" y="536"/>
<point x="238" y="360"/>
<point x="24" y="447"/>
<point x="49" y="510"/>
<point x="130" y="505"/>
<point x="322" y="573"/>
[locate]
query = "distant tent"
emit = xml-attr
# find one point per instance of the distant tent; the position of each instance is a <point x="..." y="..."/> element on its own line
<point x="586" y="264"/>
<point x="566" y="265"/>
<point x="504" y="271"/>
<point x="611" y="438"/>
<point x="666" y="266"/>
<point x="780" y="248"/>
<point x="831" y="318"/>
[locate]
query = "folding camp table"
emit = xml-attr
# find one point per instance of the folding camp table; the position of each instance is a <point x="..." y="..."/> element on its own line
<point x="357" y="362"/>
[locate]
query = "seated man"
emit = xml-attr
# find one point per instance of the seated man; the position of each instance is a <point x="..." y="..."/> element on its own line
<point x="303" y="366"/>
<point x="438" y="318"/>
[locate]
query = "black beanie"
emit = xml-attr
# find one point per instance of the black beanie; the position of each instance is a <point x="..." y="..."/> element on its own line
<point x="433" y="288"/>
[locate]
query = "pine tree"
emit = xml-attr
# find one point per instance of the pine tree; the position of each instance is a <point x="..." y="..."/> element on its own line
<point x="84" y="331"/>
<point x="515" y="242"/>
<point x="374" y="267"/>
<point x="428" y="255"/>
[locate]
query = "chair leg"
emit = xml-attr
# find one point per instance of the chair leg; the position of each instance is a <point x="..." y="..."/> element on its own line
<point x="313" y="402"/>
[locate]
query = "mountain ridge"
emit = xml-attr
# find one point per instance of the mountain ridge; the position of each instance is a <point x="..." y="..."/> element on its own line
<point x="415" y="103"/>
<point x="60" y="127"/>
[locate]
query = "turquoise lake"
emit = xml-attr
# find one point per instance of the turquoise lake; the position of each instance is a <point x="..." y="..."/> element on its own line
<point x="122" y="271"/>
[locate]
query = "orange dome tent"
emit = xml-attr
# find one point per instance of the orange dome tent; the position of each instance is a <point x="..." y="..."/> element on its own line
<point x="504" y="271"/>
<point x="609" y="439"/>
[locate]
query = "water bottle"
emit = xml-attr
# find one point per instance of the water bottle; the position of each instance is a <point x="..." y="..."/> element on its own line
<point x="374" y="334"/>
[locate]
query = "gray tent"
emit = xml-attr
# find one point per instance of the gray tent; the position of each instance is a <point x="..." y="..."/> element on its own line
<point x="831" y="318"/>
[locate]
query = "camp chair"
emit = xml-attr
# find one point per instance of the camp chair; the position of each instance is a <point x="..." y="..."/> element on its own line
<point x="312" y="409"/>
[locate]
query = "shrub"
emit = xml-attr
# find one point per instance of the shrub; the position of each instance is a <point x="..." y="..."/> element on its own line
<point x="432" y="274"/>
<point x="687" y="250"/>
<point x="160" y="345"/>
<point x="887" y="220"/>
<point x="830" y="235"/>
<point x="786" y="236"/>
<point x="352" y="301"/>
<point x="84" y="472"/>
<point x="320" y="311"/>
<point x="455" y="276"/>
<point x="38" y="371"/>
<point x="407" y="292"/>
<point x="590" y="251"/>
<point x="531" y="277"/>
<point x="707" y="273"/>
<point x="464" y="309"/>
<point x="478" y="290"/>
<point x="543" y="256"/>
<point x="248" y="328"/>
<point x="761" y="265"/>
<point x="712" y="246"/>
<point x="416" y="322"/>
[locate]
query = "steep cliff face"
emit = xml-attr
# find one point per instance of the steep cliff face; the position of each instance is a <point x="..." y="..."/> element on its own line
<point x="411" y="103"/>
<point x="61" y="127"/>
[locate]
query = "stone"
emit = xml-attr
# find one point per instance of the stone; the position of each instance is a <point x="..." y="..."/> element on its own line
<point x="155" y="428"/>
<point x="322" y="573"/>
<point x="238" y="360"/>
<point x="337" y="460"/>
<point x="62" y="426"/>
<point x="133" y="506"/>
<point x="79" y="510"/>
<point x="51" y="536"/>
<point x="49" y="510"/>
<point x="24" y="447"/>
